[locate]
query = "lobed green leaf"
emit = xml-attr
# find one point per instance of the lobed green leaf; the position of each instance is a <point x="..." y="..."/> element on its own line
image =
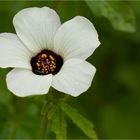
<point x="85" y="125"/>
<point x="120" y="14"/>
<point x="59" y="125"/>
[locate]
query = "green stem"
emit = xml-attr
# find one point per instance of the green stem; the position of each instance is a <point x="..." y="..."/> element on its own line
<point x="44" y="122"/>
<point x="53" y="99"/>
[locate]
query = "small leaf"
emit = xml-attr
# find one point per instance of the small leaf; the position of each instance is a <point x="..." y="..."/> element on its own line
<point x="85" y="125"/>
<point x="49" y="109"/>
<point x="120" y="14"/>
<point x="59" y="124"/>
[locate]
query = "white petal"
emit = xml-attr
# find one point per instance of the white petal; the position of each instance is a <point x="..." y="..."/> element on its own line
<point x="24" y="82"/>
<point x="76" y="38"/>
<point x="36" y="27"/>
<point x="13" y="53"/>
<point x="9" y="36"/>
<point x="74" y="78"/>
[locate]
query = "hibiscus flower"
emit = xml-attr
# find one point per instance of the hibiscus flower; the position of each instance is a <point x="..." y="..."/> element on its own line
<point x="45" y="53"/>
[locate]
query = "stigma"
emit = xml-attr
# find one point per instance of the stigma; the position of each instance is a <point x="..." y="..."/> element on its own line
<point x="46" y="62"/>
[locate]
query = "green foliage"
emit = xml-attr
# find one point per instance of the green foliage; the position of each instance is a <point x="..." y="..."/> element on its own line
<point x="118" y="13"/>
<point x="59" y="125"/>
<point x="85" y="125"/>
<point x="53" y="114"/>
<point x="49" y="109"/>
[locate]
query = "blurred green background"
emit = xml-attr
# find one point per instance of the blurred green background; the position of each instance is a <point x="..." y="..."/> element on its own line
<point x="113" y="101"/>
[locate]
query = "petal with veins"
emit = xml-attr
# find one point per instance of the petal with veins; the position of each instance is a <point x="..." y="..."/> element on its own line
<point x="74" y="78"/>
<point x="24" y="82"/>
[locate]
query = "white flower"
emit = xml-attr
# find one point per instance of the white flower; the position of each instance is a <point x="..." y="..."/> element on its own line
<point x="45" y="53"/>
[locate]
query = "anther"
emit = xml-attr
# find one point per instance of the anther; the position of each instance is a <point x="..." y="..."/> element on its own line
<point x="46" y="62"/>
<point x="43" y="56"/>
<point x="51" y="57"/>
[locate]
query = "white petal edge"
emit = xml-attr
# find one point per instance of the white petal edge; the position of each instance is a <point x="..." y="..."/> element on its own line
<point x="74" y="78"/>
<point x="76" y="38"/>
<point x="36" y="27"/>
<point x="11" y="36"/>
<point x="13" y="53"/>
<point x="24" y="83"/>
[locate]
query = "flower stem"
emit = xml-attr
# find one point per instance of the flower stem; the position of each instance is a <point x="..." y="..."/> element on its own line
<point x="44" y="122"/>
<point x="51" y="105"/>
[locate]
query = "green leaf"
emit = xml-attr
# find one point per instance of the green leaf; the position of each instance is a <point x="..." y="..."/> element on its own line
<point x="59" y="124"/>
<point x="48" y="110"/>
<point x="85" y="125"/>
<point x="120" y="14"/>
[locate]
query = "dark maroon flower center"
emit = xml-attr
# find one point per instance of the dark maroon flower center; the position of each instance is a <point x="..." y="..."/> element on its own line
<point x="46" y="62"/>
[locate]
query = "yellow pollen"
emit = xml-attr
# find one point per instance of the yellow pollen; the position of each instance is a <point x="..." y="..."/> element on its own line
<point x="37" y="64"/>
<point x="46" y="64"/>
<point x="43" y="56"/>
<point x="54" y="66"/>
<point x="51" y="57"/>
<point x="53" y="62"/>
